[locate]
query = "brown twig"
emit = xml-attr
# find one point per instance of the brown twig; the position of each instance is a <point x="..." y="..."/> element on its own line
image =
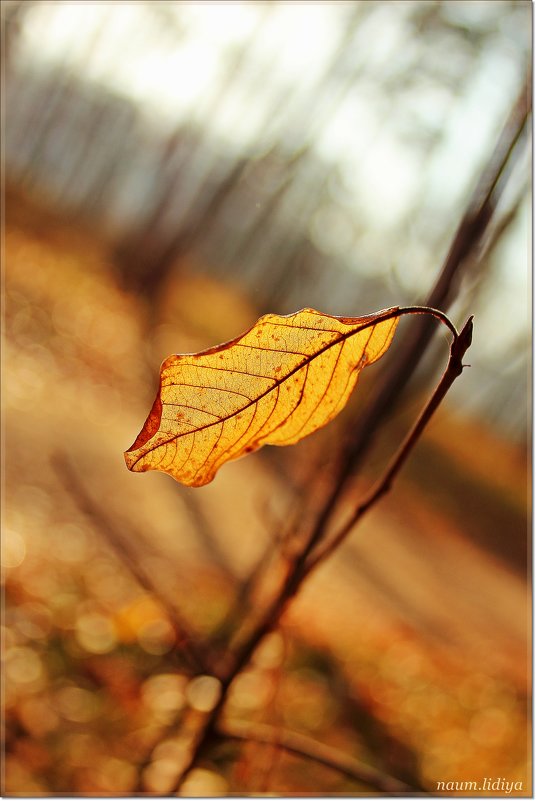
<point x="459" y="346"/>
<point x="301" y="567"/>
<point x="467" y="238"/>
<point x="317" y="752"/>
<point x="465" y="243"/>
<point x="189" y="650"/>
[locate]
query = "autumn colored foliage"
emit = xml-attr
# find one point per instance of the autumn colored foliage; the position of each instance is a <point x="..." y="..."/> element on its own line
<point x="283" y="379"/>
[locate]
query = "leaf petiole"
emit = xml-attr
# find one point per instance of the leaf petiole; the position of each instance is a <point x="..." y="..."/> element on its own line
<point x="400" y="311"/>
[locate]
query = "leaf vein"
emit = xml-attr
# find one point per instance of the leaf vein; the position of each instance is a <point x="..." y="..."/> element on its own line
<point x="340" y="338"/>
<point x="220" y="369"/>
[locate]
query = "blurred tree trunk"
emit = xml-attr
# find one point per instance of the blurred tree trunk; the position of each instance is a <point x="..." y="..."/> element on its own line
<point x="12" y="19"/>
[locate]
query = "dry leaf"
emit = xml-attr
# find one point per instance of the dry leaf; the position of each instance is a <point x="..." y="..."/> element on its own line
<point x="283" y="379"/>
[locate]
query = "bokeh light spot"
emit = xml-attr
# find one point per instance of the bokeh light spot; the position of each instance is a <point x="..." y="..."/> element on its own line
<point x="13" y="549"/>
<point x="203" y="693"/>
<point x="95" y="633"/>
<point x="201" y="783"/>
<point x="165" y="692"/>
<point x="23" y="666"/>
<point x="77" y="704"/>
<point x="251" y="690"/>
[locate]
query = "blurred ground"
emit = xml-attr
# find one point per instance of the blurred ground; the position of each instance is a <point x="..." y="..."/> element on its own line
<point x="410" y="650"/>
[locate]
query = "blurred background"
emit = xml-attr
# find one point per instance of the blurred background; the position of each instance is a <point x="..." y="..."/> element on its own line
<point x="172" y="171"/>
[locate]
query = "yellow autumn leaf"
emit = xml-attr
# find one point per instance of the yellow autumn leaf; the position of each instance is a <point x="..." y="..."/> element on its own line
<point x="280" y="381"/>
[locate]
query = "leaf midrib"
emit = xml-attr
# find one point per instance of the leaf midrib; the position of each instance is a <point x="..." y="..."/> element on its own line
<point x="392" y="314"/>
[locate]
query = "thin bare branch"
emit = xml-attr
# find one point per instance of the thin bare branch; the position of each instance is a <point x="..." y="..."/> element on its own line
<point x="299" y="568"/>
<point x="410" y="350"/>
<point x="306" y="747"/>
<point x="454" y="369"/>
<point x="465" y="244"/>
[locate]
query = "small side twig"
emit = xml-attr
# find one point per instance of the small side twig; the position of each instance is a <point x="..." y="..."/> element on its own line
<point x="306" y="747"/>
<point x="455" y="366"/>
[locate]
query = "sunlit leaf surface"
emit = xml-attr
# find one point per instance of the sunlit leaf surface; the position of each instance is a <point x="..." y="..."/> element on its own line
<point x="283" y="379"/>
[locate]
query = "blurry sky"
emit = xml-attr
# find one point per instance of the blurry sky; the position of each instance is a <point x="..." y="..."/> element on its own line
<point x="406" y="122"/>
<point x="172" y="63"/>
